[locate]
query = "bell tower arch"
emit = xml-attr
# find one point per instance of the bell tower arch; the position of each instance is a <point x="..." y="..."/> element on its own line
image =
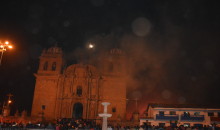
<point x="51" y="61"/>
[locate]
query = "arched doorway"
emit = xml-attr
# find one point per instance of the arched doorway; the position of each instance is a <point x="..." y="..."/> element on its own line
<point x="77" y="110"/>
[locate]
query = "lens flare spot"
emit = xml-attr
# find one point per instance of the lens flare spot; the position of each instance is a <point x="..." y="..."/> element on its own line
<point x="141" y="26"/>
<point x="166" y="94"/>
<point x="181" y="100"/>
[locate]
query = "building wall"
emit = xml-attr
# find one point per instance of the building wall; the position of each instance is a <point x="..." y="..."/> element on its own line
<point x="152" y="112"/>
<point x="46" y="87"/>
<point x="45" y="97"/>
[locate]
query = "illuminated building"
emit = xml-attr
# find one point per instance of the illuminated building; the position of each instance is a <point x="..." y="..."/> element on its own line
<point x="77" y="91"/>
<point x="181" y="114"/>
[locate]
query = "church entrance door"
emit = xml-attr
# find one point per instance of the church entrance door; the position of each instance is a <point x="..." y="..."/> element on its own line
<point x="77" y="111"/>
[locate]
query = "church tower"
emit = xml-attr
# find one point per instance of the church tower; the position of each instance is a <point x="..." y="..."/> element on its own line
<point x="114" y="82"/>
<point x="46" y="87"/>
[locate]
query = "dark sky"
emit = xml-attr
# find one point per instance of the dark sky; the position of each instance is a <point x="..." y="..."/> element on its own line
<point x="173" y="46"/>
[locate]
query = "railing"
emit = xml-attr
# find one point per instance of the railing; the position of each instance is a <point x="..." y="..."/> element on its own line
<point x="167" y="117"/>
<point x="192" y="118"/>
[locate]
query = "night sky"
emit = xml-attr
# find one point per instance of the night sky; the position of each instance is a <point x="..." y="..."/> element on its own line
<point x="172" y="47"/>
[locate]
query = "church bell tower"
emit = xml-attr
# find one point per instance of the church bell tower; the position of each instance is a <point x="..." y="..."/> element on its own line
<point x="114" y="82"/>
<point x="46" y="87"/>
<point x="51" y="61"/>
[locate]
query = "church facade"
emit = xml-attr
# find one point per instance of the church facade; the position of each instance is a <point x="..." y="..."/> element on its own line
<point x="77" y="91"/>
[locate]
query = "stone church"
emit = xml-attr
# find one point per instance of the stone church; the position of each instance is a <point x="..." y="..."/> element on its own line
<point x="77" y="91"/>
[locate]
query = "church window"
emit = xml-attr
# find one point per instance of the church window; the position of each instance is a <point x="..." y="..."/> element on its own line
<point x="110" y="69"/>
<point x="113" y="109"/>
<point x="45" y="65"/>
<point x="79" y="91"/>
<point x="43" y="107"/>
<point x="54" y="66"/>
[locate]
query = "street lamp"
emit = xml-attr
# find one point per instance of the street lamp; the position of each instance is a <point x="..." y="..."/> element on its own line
<point x="3" y="47"/>
<point x="6" y="107"/>
<point x="9" y="99"/>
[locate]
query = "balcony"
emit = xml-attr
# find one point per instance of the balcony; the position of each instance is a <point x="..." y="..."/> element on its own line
<point x="192" y="118"/>
<point x="167" y="117"/>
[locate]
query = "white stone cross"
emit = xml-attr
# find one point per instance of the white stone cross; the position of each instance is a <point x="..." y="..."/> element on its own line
<point x="105" y="115"/>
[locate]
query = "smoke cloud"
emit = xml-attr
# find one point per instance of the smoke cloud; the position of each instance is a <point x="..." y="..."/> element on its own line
<point x="148" y="57"/>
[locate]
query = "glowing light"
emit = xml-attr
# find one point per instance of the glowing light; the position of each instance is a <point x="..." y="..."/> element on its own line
<point x="9" y="101"/>
<point x="91" y="45"/>
<point x="3" y="47"/>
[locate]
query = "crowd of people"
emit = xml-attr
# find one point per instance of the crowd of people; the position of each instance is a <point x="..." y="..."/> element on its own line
<point x="60" y="124"/>
<point x="72" y="124"/>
